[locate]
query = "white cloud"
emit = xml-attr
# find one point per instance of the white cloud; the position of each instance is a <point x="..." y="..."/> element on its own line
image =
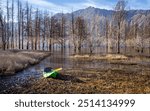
<point x="67" y="7"/>
<point x="90" y="3"/>
<point x="87" y="3"/>
<point x="55" y="8"/>
<point x="43" y="4"/>
<point x="102" y="4"/>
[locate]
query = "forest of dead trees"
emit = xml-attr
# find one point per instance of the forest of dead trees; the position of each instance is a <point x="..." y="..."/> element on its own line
<point x="26" y="28"/>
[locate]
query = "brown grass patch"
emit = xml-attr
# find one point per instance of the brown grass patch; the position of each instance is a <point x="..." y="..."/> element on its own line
<point x="93" y="82"/>
<point x="11" y="62"/>
<point x="107" y="57"/>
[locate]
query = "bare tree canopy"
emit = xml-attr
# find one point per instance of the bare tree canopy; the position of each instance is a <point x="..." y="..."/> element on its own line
<point x="119" y="17"/>
<point x="26" y="28"/>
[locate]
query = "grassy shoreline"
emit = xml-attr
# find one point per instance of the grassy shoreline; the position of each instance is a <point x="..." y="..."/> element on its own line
<point x="114" y="59"/>
<point x="13" y="61"/>
<point x="133" y="79"/>
<point x="84" y="82"/>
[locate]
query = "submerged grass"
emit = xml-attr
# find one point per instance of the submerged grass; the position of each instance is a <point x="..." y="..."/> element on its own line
<point x="114" y="59"/>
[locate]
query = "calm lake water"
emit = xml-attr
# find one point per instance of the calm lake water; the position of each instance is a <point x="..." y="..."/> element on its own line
<point x="57" y="60"/>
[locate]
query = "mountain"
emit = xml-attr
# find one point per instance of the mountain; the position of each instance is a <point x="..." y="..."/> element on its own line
<point x="87" y="13"/>
<point x="139" y="16"/>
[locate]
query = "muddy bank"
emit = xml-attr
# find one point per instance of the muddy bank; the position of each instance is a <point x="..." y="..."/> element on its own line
<point x="100" y="57"/>
<point x="15" y="61"/>
<point x="91" y="81"/>
<point x="85" y="76"/>
<point x="115" y="59"/>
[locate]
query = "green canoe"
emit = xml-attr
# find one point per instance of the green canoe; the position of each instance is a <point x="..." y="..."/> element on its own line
<point x="49" y="72"/>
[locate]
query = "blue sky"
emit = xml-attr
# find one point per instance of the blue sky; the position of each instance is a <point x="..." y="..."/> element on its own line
<point x="56" y="6"/>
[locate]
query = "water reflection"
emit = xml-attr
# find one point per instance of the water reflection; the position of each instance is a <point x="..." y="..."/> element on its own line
<point x="57" y="60"/>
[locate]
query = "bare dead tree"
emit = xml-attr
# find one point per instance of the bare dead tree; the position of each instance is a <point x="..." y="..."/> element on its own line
<point x="62" y="32"/>
<point x="135" y="33"/>
<point x="148" y="32"/>
<point x="142" y="39"/>
<point x="50" y="33"/>
<point x="16" y="37"/>
<point x="36" y="28"/>
<point x="22" y="24"/>
<point x="27" y="25"/>
<point x="19" y="23"/>
<point x="12" y="25"/>
<point x="53" y="30"/>
<point x="4" y="26"/>
<point x="119" y="17"/>
<point x="107" y="34"/>
<point x="46" y="24"/>
<point x="81" y="32"/>
<point x="8" y="30"/>
<point x="56" y="27"/>
<point x="126" y="30"/>
<point x="3" y="31"/>
<point x="73" y="31"/>
<point x="39" y="31"/>
<point x="90" y="39"/>
<point x="44" y="30"/>
<point x="47" y="30"/>
<point x="31" y="27"/>
<point x="131" y="35"/>
<point x="93" y="35"/>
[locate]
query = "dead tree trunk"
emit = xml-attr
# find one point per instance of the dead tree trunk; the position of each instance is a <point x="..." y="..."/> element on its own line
<point x="8" y="30"/>
<point x="19" y="24"/>
<point x="12" y="26"/>
<point x="119" y="17"/>
<point x="27" y="25"/>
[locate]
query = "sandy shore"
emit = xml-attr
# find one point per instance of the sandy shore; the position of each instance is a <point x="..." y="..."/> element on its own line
<point x="15" y="61"/>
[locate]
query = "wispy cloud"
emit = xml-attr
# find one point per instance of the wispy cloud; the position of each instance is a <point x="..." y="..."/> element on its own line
<point x="67" y="6"/>
<point x="46" y="5"/>
<point x="87" y="3"/>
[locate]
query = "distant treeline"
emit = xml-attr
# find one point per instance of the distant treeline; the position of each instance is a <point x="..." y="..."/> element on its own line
<point x="26" y="28"/>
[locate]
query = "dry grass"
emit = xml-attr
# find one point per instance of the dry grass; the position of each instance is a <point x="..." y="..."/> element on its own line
<point x="106" y="57"/>
<point x="122" y="80"/>
<point x="91" y="82"/>
<point x="79" y="56"/>
<point x="14" y="61"/>
<point x="114" y="59"/>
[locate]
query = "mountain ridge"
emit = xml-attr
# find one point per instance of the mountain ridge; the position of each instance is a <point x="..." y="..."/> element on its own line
<point x="90" y="12"/>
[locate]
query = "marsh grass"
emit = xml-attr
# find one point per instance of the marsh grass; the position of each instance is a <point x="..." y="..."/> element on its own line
<point x="93" y="82"/>
<point x="133" y="79"/>
<point x="114" y="59"/>
<point x="14" y="61"/>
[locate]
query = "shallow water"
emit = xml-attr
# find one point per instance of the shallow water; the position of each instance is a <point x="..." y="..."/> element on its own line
<point x="57" y="60"/>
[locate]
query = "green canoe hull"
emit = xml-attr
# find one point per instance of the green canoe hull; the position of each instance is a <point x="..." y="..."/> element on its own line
<point x="50" y="74"/>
